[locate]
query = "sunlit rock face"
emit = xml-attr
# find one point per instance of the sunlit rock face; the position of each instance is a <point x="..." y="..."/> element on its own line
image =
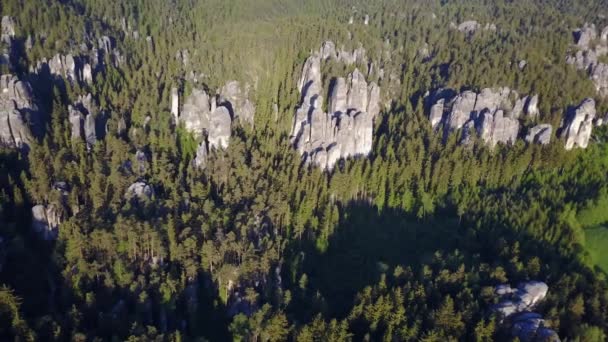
<point x="345" y="129"/>
<point x="578" y="125"/>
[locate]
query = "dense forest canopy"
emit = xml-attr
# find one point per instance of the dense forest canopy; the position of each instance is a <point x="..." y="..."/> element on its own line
<point x="121" y="219"/>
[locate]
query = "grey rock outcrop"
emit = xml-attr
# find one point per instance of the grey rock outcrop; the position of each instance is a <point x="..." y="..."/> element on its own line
<point x="201" y="116"/>
<point x="46" y="221"/>
<point x="236" y="98"/>
<point x="7" y="29"/>
<point x="82" y="116"/>
<point x="515" y="308"/>
<point x="67" y="67"/>
<point x="200" y="161"/>
<point x="490" y="113"/>
<point x="322" y="138"/>
<point x="195" y="112"/>
<point x="220" y="127"/>
<point x="174" y="103"/>
<point x="540" y="134"/>
<point x="586" y="58"/>
<point x="599" y="76"/>
<point x="140" y="191"/>
<point x="17" y="112"/>
<point x="469" y="26"/>
<point x="578" y="124"/>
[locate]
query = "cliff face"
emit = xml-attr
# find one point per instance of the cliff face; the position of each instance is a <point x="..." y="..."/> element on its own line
<point x="346" y="128"/>
<point x="589" y="48"/>
<point x="17" y="112"/>
<point x="578" y="125"/>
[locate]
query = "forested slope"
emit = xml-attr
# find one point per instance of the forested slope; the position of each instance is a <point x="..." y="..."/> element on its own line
<point x="148" y="231"/>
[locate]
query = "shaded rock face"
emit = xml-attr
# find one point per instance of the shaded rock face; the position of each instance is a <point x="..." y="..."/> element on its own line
<point x="17" y="112"/>
<point x="235" y="97"/>
<point x="174" y="103"/>
<point x="67" y="67"/>
<point x="45" y="221"/>
<point x="515" y="310"/>
<point x="589" y="50"/>
<point x="578" y="124"/>
<point x="82" y="119"/>
<point x="200" y="161"/>
<point x="493" y="113"/>
<point x="140" y="191"/>
<point x="540" y="134"/>
<point x="346" y="129"/>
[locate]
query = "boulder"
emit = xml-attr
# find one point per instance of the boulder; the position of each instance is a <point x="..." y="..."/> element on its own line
<point x="540" y="134"/>
<point x="139" y="191"/>
<point x="579" y="124"/>
<point x="17" y="112"/>
<point x="469" y="27"/>
<point x="45" y="221"/>
<point x="532" y="106"/>
<point x="219" y="128"/>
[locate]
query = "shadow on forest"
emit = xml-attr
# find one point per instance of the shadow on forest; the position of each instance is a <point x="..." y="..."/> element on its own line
<point x="366" y="244"/>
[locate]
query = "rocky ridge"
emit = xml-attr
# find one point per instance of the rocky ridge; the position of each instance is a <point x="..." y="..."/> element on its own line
<point x="346" y="128"/>
<point x="493" y="113"/>
<point x="589" y="48"/>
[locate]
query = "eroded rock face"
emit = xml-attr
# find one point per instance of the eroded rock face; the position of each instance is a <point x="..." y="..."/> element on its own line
<point x="82" y="119"/>
<point x="585" y="35"/>
<point x="322" y="138"/>
<point x="515" y="310"/>
<point x="45" y="221"/>
<point x="540" y="134"/>
<point x="200" y="161"/>
<point x="235" y="97"/>
<point x="174" y="103"/>
<point x="17" y="112"/>
<point x="579" y="124"/>
<point x="469" y="26"/>
<point x="490" y="113"/>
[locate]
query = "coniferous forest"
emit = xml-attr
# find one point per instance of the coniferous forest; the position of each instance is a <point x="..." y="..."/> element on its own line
<point x="319" y="170"/>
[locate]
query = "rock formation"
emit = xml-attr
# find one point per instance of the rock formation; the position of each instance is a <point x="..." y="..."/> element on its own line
<point x="82" y="119"/>
<point x="328" y="50"/>
<point x="219" y="127"/>
<point x="17" y="112"/>
<point x="470" y="27"/>
<point x="579" y="124"/>
<point x="491" y="113"/>
<point x="236" y="99"/>
<point x="347" y="128"/>
<point x="540" y="134"/>
<point x="139" y="191"/>
<point x="589" y="50"/>
<point x="67" y="67"/>
<point x="515" y="308"/>
<point x="45" y="221"/>
<point x="174" y="103"/>
<point x="7" y="28"/>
